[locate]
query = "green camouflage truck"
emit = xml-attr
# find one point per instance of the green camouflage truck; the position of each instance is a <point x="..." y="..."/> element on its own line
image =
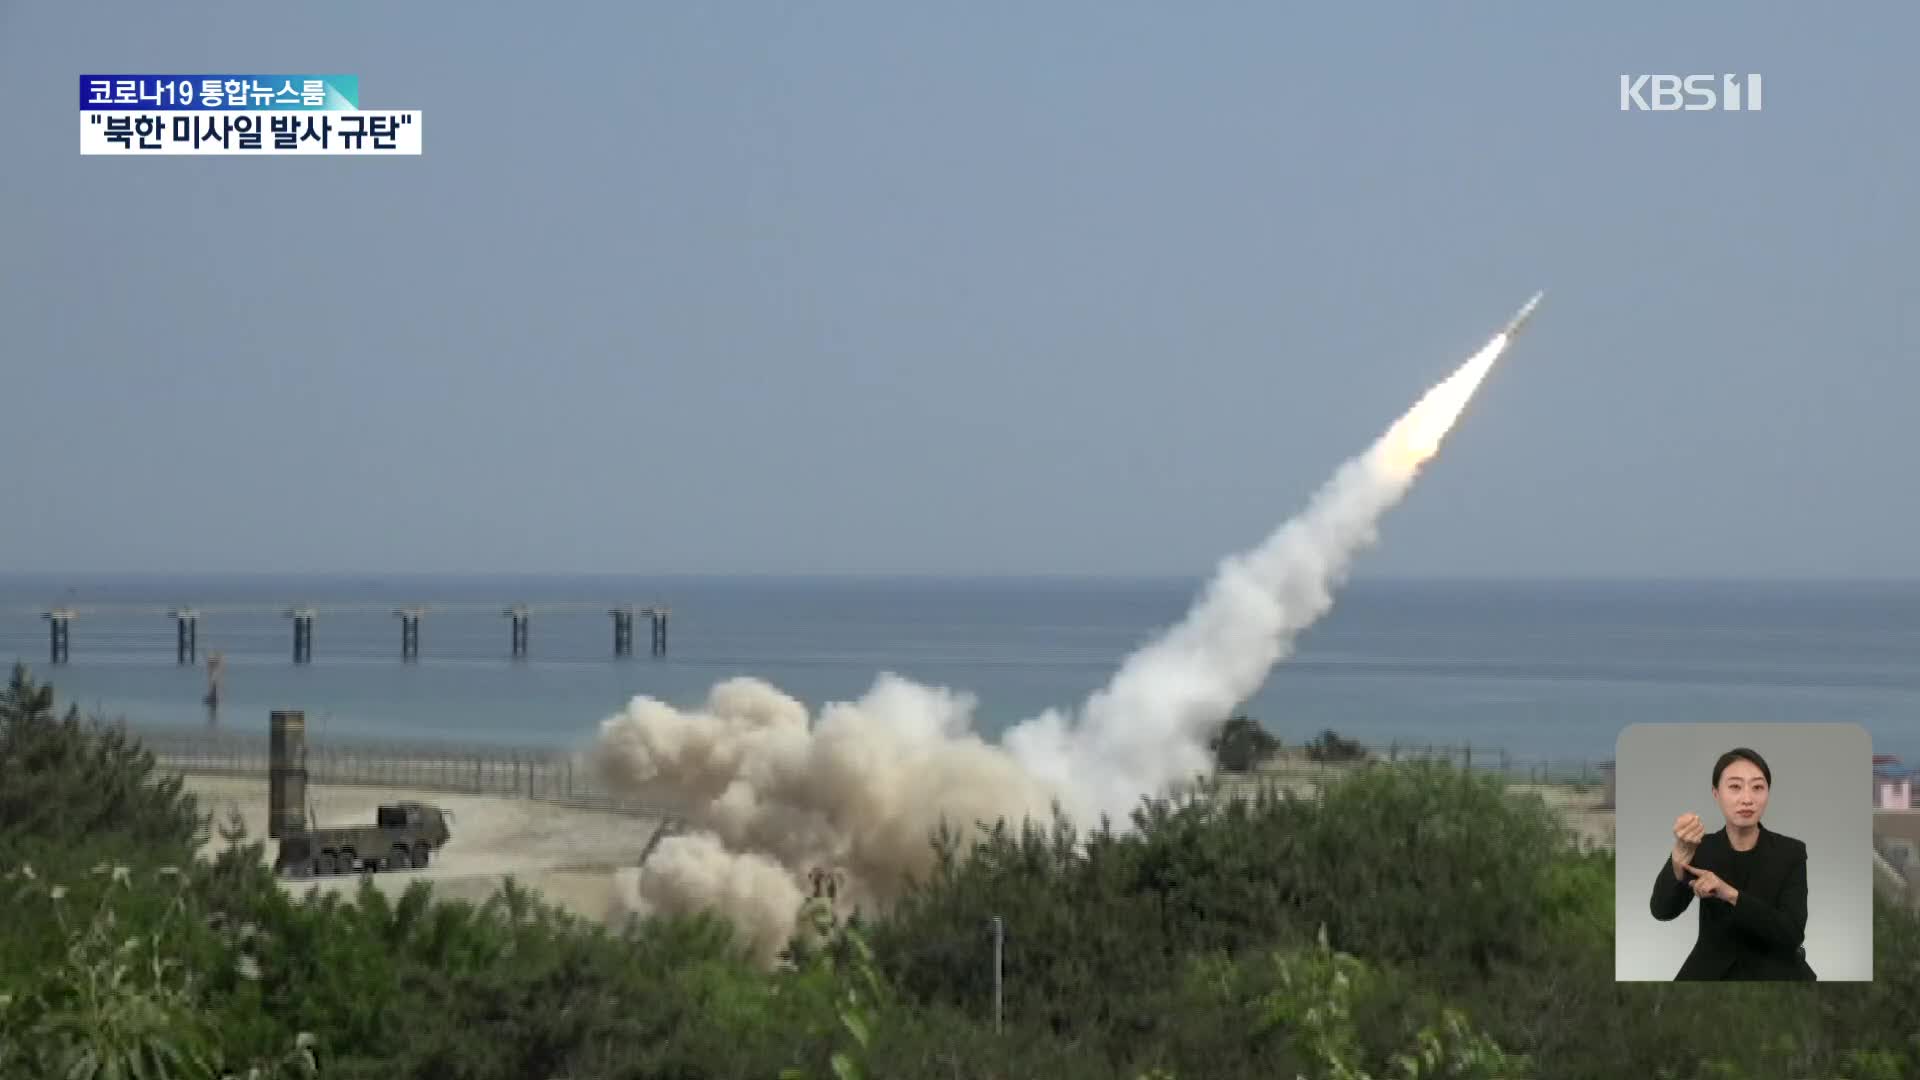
<point x="402" y="836"/>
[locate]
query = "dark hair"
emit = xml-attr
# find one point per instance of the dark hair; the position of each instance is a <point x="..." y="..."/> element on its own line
<point x="1741" y="753"/>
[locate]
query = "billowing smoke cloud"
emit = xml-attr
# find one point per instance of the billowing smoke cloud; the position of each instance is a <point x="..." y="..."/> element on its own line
<point x="861" y="792"/>
<point x="772" y="798"/>
<point x="694" y="873"/>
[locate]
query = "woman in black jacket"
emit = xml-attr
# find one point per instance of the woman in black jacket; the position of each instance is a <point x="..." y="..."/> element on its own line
<point x="1752" y="883"/>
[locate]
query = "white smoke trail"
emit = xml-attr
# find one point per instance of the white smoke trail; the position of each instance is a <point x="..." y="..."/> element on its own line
<point x="771" y="798"/>
<point x="1149" y="727"/>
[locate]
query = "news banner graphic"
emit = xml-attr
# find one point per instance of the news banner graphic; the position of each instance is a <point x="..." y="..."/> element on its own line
<point x="238" y="114"/>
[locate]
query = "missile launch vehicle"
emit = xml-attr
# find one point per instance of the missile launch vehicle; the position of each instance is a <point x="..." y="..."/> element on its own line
<point x="402" y="836"/>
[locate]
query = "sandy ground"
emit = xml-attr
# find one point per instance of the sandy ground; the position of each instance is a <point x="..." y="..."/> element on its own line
<point x="567" y="854"/>
<point x="570" y="855"/>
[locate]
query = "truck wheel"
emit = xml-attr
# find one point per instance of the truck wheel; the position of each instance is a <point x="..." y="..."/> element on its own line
<point x="399" y="859"/>
<point x="349" y="861"/>
<point x="325" y="863"/>
<point x="422" y="855"/>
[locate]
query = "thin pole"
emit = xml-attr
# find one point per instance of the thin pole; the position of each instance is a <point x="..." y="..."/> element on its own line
<point x="999" y="937"/>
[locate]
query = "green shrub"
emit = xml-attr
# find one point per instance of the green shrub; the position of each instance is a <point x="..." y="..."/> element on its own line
<point x="1241" y="745"/>
<point x="1330" y="747"/>
<point x="62" y="780"/>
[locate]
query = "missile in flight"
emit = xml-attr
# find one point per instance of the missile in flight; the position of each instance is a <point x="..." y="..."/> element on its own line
<point x="1520" y="317"/>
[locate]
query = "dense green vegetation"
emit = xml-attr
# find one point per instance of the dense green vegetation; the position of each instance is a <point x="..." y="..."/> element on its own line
<point x="1241" y="744"/>
<point x="1416" y="922"/>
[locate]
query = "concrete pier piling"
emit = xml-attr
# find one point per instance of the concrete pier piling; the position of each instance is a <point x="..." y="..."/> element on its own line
<point x="302" y="634"/>
<point x="186" y="635"/>
<point x="59" y="634"/>
<point x="519" y="614"/>
<point x="186" y="620"/>
<point x="409" y="632"/>
<point x="658" y="616"/>
<point x="622" y="630"/>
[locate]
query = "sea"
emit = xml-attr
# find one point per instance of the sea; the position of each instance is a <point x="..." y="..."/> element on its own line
<point x="1540" y="671"/>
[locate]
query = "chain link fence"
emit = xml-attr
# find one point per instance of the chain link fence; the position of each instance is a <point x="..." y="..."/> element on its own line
<point x="550" y="775"/>
<point x="1569" y="771"/>
<point x="1298" y="770"/>
<point x="566" y="778"/>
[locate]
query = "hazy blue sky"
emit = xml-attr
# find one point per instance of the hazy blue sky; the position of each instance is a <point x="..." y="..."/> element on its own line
<point x="1097" y="288"/>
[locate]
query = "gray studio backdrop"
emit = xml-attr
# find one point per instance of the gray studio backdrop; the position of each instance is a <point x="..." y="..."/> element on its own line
<point x="1822" y="794"/>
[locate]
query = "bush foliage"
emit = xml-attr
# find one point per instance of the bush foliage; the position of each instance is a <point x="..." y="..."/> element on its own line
<point x="1330" y="746"/>
<point x="1241" y="745"/>
<point x="1413" y="922"/>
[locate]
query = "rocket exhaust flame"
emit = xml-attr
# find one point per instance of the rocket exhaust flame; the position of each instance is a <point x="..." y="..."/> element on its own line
<point x="1415" y="437"/>
<point x="771" y="798"/>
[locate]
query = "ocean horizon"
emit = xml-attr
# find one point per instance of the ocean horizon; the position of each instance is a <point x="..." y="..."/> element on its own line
<point x="1543" y="669"/>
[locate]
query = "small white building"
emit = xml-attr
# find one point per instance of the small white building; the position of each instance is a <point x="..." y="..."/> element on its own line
<point x="1892" y="784"/>
<point x="1891" y="794"/>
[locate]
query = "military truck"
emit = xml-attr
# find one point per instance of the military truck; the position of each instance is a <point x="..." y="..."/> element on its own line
<point x="403" y="835"/>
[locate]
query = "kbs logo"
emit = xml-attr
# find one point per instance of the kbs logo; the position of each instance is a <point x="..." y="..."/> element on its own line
<point x="1694" y="93"/>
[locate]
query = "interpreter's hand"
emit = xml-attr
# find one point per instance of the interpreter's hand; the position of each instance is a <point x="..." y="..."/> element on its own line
<point x="1709" y="884"/>
<point x="1687" y="834"/>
